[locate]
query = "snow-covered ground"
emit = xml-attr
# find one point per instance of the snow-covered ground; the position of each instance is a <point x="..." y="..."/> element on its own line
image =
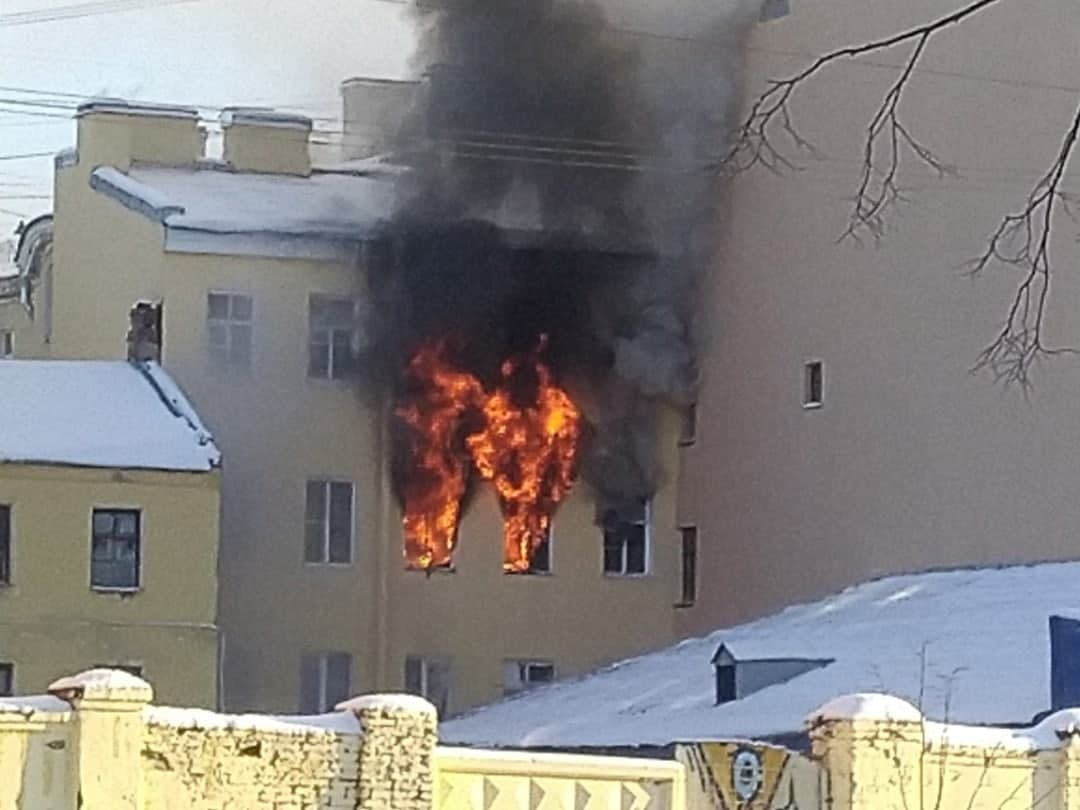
<point x="969" y="646"/>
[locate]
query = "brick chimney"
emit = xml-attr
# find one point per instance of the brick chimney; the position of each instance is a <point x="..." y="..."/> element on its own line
<point x="265" y="140"/>
<point x="144" y="332"/>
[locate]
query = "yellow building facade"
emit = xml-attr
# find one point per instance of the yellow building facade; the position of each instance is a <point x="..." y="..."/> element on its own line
<point x="252" y="259"/>
<point x="108" y="529"/>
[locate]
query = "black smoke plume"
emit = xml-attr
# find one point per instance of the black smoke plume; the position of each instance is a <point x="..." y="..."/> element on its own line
<point x="557" y="186"/>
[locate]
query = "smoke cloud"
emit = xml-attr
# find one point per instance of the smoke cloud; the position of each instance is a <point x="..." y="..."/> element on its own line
<point x="557" y="186"/>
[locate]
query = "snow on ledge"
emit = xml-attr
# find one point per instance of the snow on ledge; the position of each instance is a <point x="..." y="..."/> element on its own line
<point x="132" y="194"/>
<point x="866" y="706"/>
<point x="264" y="117"/>
<point x="119" y="106"/>
<point x="32" y="704"/>
<point x="390" y="702"/>
<point x="114" y="684"/>
<point x="172" y="717"/>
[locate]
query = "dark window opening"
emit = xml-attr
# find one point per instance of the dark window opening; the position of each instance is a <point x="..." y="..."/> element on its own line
<point x="5" y="545"/>
<point x="626" y="543"/>
<point x="688" y="433"/>
<point x="325" y="681"/>
<point x="813" y="384"/>
<point x="115" y="549"/>
<point x="332" y="329"/>
<point x="540" y="562"/>
<point x="7" y="345"/>
<point x="725" y="684"/>
<point x="328" y="522"/>
<point x="521" y="675"/>
<point x="7" y="679"/>
<point x="689" y="564"/>
<point x="429" y="678"/>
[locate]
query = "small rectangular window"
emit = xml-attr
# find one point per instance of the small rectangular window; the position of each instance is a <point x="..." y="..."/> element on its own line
<point x="228" y="328"/>
<point x="5" y="545"/>
<point x="688" y="433"/>
<point x="689" y="536"/>
<point x="521" y="675"/>
<point x="7" y="345"/>
<point x="332" y="331"/>
<point x="813" y="384"/>
<point x="429" y="678"/>
<point x="7" y="679"/>
<point x="115" y="549"/>
<point x="325" y="681"/>
<point x="328" y="522"/>
<point x="626" y="543"/>
<point x="725" y="684"/>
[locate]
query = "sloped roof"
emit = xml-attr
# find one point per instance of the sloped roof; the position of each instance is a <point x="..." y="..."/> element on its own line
<point x="99" y="414"/>
<point x="974" y="641"/>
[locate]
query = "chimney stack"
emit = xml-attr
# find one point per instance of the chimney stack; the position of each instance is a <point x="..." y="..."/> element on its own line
<point x="265" y="140"/>
<point x="144" y="333"/>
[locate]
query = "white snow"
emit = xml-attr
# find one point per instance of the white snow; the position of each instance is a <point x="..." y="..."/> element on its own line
<point x="31" y="704"/>
<point x="338" y="723"/>
<point x="402" y="703"/>
<point x="263" y="117"/>
<point x="99" y="414"/>
<point x="121" y="684"/>
<point x="866" y="706"/>
<point x="151" y="201"/>
<point x="973" y="643"/>
<point x="119" y="106"/>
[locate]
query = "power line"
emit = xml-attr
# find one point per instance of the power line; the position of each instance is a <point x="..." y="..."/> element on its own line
<point x="27" y="155"/>
<point x="77" y="11"/>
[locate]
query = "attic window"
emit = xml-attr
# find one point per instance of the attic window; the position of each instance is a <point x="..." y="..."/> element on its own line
<point x="725" y="684"/>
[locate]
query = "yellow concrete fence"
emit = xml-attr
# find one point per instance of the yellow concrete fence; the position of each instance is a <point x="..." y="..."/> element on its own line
<point x="96" y="742"/>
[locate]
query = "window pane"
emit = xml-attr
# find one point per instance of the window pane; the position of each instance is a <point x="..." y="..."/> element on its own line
<point x="7" y="680"/>
<point x="541" y="558"/>
<point x="217" y="306"/>
<point x="341" y="498"/>
<point x="217" y="335"/>
<point x="241" y="308"/>
<point x="314" y="541"/>
<point x="315" y="508"/>
<point x="438" y="685"/>
<point x="126" y="524"/>
<point x="414" y="675"/>
<point x="689" y="564"/>
<point x="103" y="524"/>
<point x="343" y="354"/>
<point x="240" y="344"/>
<point x="318" y="360"/>
<point x="635" y="549"/>
<point x="310" y="677"/>
<point x="613" y="546"/>
<point x="338" y="679"/>
<point x="5" y="544"/>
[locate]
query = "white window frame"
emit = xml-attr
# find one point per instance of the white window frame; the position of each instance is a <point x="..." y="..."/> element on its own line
<point x="7" y="344"/>
<point x="808" y="402"/>
<point x="327" y="482"/>
<point x="623" y="573"/>
<point x="522" y="666"/>
<point x="331" y="365"/>
<point x="140" y="565"/>
<point x="228" y="321"/>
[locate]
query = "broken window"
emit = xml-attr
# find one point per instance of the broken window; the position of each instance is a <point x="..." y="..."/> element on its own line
<point x="429" y="678"/>
<point x="7" y="679"/>
<point x="229" y="319"/>
<point x="5" y="545"/>
<point x="689" y="564"/>
<point x="540" y="562"/>
<point x="626" y="541"/>
<point x="328" y="523"/>
<point x="7" y="345"/>
<point x="521" y="675"/>
<point x="325" y="681"/>
<point x="115" y="548"/>
<point x="332" y="324"/>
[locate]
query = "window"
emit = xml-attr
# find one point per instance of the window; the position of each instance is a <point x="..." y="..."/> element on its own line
<point x="7" y="680"/>
<point x="7" y="345"/>
<point x="689" y="565"/>
<point x="521" y="675"/>
<point x="328" y="523"/>
<point x="325" y="681"/>
<point x="429" y="678"/>
<point x="332" y="324"/>
<point x="228" y="328"/>
<point x="114" y="550"/>
<point x="688" y="434"/>
<point x="5" y="545"/>
<point x="813" y="384"/>
<point x="626" y="542"/>
<point x="540" y="561"/>
<point x="725" y="684"/>
<point x="774" y="9"/>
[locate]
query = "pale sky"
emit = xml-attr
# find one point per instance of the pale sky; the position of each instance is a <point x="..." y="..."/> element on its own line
<point x="207" y="53"/>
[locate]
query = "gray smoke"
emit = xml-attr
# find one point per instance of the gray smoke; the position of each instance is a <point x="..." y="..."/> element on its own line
<point x="558" y="186"/>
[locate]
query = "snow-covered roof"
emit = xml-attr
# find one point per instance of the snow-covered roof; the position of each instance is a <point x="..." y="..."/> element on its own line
<point x="973" y="643"/>
<point x="100" y="414"/>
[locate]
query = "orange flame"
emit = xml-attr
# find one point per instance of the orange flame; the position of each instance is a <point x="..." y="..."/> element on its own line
<point x="528" y="450"/>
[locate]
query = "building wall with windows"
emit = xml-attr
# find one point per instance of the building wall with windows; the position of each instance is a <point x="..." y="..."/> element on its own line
<point x="315" y="599"/>
<point x="138" y="593"/>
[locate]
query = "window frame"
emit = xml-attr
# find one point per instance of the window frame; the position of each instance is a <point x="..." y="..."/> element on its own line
<point x="227" y="362"/>
<point x="623" y="573"/>
<point x="7" y="543"/>
<point x="140" y="526"/>
<point x="323" y="705"/>
<point x="425" y="663"/>
<point x="331" y="331"/>
<point x="811" y="399"/>
<point x="328" y="482"/>
<point x="688" y="596"/>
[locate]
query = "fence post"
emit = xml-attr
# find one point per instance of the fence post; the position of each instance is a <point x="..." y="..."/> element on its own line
<point x="109" y="731"/>
<point x="397" y="751"/>
<point x="870" y="749"/>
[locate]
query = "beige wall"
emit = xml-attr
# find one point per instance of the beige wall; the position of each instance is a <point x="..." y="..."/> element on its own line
<point x="52" y="621"/>
<point x="912" y="462"/>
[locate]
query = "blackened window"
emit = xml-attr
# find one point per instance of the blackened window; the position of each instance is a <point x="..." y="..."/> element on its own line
<point x="540" y="563"/>
<point x="7" y="679"/>
<point x="115" y="549"/>
<point x="626" y="542"/>
<point x="328" y="522"/>
<point x="813" y="384"/>
<point x="689" y="564"/>
<point x="332" y="325"/>
<point x="325" y="681"/>
<point x="5" y="545"/>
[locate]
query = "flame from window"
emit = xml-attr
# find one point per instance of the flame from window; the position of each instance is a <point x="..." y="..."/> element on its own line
<point x="525" y="444"/>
